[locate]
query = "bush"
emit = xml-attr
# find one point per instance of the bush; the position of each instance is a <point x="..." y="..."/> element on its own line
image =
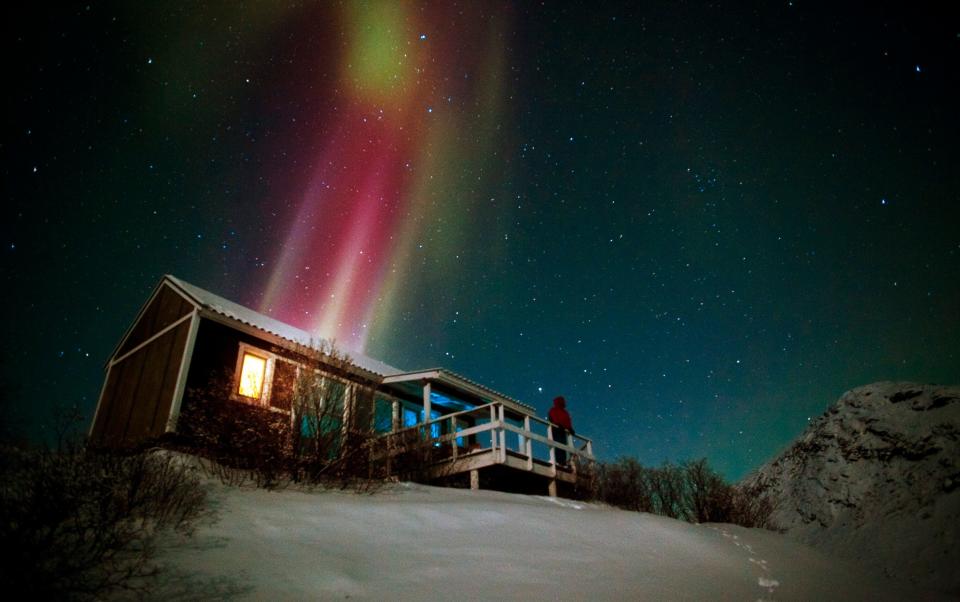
<point x="625" y="484"/>
<point x="81" y="524"/>
<point x="751" y="507"/>
<point x="242" y="441"/>
<point x="691" y="491"/>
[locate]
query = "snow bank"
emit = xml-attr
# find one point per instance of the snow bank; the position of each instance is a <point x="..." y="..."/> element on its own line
<point x="418" y="542"/>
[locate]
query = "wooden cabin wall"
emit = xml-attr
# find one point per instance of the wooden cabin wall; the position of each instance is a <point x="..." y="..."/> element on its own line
<point x="139" y="391"/>
<point x="215" y="359"/>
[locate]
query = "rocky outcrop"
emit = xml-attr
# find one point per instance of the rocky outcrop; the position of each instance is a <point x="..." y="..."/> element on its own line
<point x="875" y="479"/>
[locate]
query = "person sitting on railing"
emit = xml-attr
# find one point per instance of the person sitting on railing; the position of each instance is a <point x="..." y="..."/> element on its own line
<point x="561" y="425"/>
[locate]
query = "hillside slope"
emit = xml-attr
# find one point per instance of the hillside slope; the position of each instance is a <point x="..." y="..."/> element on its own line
<point x="418" y="542"/>
<point x="875" y="479"/>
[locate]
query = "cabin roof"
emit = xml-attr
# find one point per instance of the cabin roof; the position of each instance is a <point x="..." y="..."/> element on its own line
<point x="235" y="311"/>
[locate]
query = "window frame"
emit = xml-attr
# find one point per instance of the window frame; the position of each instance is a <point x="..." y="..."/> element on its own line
<point x="271" y="358"/>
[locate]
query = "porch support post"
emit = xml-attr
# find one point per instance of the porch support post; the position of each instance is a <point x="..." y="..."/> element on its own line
<point x="426" y="407"/>
<point x="426" y="400"/>
<point x="552" y="488"/>
<point x="395" y="419"/>
<point x="453" y="442"/>
<point x="474" y="479"/>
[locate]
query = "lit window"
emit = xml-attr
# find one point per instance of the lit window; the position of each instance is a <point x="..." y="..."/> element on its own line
<point x="252" y="373"/>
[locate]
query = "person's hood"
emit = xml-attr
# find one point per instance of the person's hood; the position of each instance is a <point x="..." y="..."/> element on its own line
<point x="559" y="402"/>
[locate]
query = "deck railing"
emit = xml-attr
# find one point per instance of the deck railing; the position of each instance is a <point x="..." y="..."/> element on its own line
<point x="491" y="427"/>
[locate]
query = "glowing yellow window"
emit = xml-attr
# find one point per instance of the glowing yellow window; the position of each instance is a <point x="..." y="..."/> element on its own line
<point x="252" y="373"/>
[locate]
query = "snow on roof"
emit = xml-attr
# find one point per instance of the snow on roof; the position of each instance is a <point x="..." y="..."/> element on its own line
<point x="283" y="330"/>
<point x="273" y="326"/>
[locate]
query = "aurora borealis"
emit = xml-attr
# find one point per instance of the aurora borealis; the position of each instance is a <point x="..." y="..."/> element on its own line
<point x="699" y="223"/>
<point x="410" y="88"/>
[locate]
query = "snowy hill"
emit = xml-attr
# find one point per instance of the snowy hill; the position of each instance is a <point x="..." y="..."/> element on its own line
<point x="417" y="542"/>
<point x="875" y="479"/>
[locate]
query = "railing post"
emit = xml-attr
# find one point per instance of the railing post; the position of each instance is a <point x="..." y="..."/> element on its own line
<point x="493" y="431"/>
<point x="453" y="433"/>
<point x="553" y="450"/>
<point x="572" y="456"/>
<point x="503" y="437"/>
<point x="395" y="418"/>
<point x="528" y="443"/>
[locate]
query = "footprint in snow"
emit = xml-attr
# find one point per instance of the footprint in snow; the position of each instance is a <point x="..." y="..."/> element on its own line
<point x="563" y="503"/>
<point x="769" y="584"/>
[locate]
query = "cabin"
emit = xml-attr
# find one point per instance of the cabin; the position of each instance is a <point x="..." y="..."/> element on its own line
<point x="184" y="336"/>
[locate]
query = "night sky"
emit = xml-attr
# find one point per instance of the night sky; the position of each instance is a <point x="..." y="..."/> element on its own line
<point x="701" y="223"/>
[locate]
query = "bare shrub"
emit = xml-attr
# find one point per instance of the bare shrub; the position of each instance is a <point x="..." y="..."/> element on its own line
<point x="81" y="524"/>
<point x="625" y="484"/>
<point x="242" y="442"/>
<point x="691" y="491"/>
<point x="668" y="489"/>
<point x="332" y="411"/>
<point x="587" y="484"/>
<point x="709" y="497"/>
<point x="410" y="455"/>
<point x="750" y="506"/>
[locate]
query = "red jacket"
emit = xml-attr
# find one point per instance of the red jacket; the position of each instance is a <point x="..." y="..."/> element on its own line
<point x="559" y="415"/>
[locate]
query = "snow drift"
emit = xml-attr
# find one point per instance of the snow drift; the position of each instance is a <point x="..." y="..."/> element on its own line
<point x="419" y="542"/>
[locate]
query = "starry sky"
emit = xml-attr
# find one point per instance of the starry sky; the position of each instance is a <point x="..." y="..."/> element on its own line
<point x="699" y="222"/>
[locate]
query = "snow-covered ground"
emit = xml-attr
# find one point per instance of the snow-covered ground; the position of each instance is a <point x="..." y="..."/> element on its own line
<point x="417" y="542"/>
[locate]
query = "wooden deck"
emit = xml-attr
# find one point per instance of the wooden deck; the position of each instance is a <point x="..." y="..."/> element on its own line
<point x="489" y="438"/>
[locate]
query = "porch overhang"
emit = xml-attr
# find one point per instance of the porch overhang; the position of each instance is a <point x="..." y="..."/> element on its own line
<point x="414" y="382"/>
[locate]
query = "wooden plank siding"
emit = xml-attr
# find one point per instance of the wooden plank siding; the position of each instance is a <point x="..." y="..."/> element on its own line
<point x="119" y="407"/>
<point x="142" y="376"/>
<point x="167" y="307"/>
<point x="158" y="379"/>
<point x="136" y="401"/>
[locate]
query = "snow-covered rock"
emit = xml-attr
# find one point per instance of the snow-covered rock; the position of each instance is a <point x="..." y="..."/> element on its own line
<point x="875" y="479"/>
